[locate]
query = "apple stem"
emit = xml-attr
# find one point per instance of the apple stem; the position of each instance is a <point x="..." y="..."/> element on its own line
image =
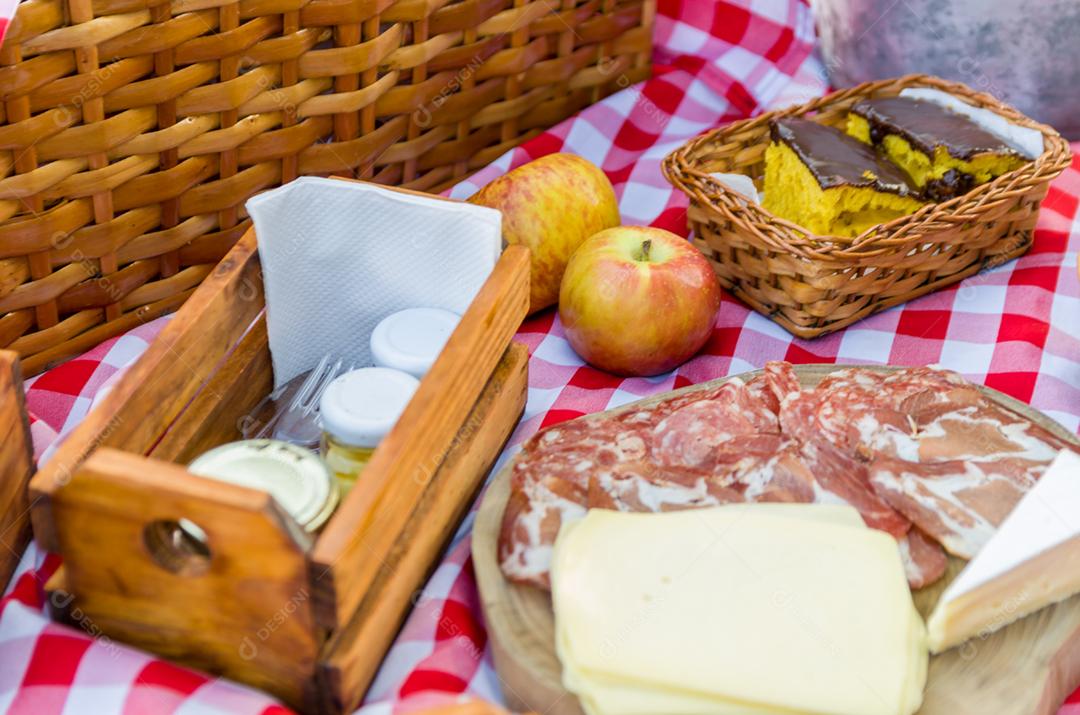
<point x="645" y="246"/>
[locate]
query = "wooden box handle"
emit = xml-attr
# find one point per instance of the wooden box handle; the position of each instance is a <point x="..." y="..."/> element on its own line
<point x="191" y="568"/>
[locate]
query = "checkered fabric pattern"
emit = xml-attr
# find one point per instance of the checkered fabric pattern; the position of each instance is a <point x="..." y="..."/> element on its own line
<point x="1013" y="328"/>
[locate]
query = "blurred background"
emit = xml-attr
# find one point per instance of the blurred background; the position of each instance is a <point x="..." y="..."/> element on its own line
<point x="1024" y="52"/>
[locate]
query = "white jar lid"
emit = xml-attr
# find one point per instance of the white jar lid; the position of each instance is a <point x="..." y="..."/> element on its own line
<point x="361" y="407"/>
<point x="296" y="477"/>
<point x="411" y="339"/>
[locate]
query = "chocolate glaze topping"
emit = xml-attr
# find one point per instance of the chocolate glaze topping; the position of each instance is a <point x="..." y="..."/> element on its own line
<point x="835" y="159"/>
<point x="952" y="183"/>
<point x="926" y="125"/>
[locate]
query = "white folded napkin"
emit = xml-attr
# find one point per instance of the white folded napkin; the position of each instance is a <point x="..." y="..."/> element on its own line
<point x="339" y="256"/>
<point x="740" y="184"/>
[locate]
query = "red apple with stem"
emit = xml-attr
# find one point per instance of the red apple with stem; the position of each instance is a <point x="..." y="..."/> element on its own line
<point x="636" y="300"/>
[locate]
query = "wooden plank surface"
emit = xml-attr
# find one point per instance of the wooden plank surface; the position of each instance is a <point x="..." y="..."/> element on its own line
<point x="1027" y="668"/>
<point x="349" y="553"/>
<point x="143" y="404"/>
<point x="353" y="654"/>
<point x="242" y="609"/>
<point x="16" y="466"/>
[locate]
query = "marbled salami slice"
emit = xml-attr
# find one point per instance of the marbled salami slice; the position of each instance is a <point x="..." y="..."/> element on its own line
<point x="964" y="464"/>
<point x="535" y="512"/>
<point x="702" y="434"/>
<point x="958" y="502"/>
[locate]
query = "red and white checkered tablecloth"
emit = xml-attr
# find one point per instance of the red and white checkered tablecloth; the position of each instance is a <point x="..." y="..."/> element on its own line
<point x="1014" y="328"/>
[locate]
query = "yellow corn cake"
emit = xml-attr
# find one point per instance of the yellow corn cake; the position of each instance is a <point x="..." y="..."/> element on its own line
<point x="829" y="183"/>
<point x="944" y="153"/>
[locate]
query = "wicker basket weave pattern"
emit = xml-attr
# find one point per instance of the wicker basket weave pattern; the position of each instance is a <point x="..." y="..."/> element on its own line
<point x="812" y="285"/>
<point x="132" y="131"/>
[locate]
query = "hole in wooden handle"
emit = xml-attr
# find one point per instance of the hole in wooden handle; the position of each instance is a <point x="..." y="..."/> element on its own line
<point x="179" y="547"/>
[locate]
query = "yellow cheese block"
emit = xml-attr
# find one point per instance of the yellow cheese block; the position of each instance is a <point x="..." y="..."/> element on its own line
<point x="600" y="693"/>
<point x="736" y="610"/>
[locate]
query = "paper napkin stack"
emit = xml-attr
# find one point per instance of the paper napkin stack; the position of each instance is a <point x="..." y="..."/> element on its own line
<point x="339" y="256"/>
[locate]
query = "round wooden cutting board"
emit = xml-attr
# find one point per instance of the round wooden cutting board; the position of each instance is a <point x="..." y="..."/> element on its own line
<point x="1028" y="668"/>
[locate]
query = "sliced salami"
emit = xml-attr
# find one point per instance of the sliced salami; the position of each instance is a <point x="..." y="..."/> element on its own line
<point x="919" y="453"/>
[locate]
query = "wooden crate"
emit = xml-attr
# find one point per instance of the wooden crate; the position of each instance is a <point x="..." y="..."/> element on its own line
<point x="16" y="466"/>
<point x="308" y="621"/>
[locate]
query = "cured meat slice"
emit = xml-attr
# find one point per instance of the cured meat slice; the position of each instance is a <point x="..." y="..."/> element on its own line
<point x="959" y="503"/>
<point x="534" y="513"/>
<point x="699" y="434"/>
<point x="932" y="446"/>
<point x="781" y="380"/>
<point x="549" y="484"/>
<point x="759" y="390"/>
<point x="655" y="491"/>
<point x="924" y="560"/>
<point x="841" y="478"/>
<point x="653" y="413"/>
<point x="860" y="408"/>
<point x="782" y="477"/>
<point x="853" y="418"/>
<point x="690" y="436"/>
<point x="964" y="465"/>
<point x="758" y="406"/>
<point x="838" y="475"/>
<point x="766" y="470"/>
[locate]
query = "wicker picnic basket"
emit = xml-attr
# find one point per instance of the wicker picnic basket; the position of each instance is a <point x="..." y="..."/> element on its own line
<point x="812" y="285"/>
<point x="132" y="131"/>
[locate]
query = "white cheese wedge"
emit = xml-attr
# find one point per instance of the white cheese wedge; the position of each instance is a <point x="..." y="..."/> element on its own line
<point x="736" y="611"/>
<point x="1032" y="561"/>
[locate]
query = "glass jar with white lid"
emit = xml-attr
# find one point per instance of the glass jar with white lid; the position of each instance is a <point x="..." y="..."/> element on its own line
<point x="358" y="409"/>
<point x="410" y="340"/>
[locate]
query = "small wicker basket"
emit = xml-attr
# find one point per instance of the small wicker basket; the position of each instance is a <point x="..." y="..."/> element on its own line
<point x="133" y="131"/>
<point x="812" y="285"/>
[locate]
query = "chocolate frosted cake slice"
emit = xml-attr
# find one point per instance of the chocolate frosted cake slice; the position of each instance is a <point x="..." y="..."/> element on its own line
<point x="943" y="152"/>
<point x="830" y="183"/>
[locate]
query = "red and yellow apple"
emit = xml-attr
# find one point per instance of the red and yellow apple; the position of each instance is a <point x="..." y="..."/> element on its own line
<point x="551" y="205"/>
<point x="638" y="300"/>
